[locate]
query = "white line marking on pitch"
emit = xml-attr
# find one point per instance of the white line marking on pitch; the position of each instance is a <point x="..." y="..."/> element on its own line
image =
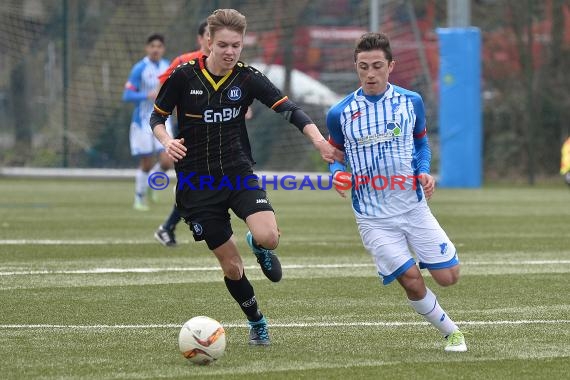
<point x="215" y="268"/>
<point x="169" y="269"/>
<point x="309" y="324"/>
<point x="73" y="242"/>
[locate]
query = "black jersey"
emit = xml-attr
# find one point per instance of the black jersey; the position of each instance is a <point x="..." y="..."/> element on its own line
<point x="211" y="114"/>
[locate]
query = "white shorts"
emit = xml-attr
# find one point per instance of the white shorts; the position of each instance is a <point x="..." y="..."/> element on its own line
<point x="143" y="141"/>
<point x="389" y="241"/>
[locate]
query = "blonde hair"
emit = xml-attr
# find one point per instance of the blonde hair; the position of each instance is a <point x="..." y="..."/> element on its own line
<point x="226" y="19"/>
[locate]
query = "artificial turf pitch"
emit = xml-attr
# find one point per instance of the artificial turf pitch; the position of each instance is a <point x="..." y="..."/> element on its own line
<point x="85" y="291"/>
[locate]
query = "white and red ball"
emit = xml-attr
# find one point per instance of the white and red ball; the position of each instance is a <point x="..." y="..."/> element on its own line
<point x="202" y="340"/>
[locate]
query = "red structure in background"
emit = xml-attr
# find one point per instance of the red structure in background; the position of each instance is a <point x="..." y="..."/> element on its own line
<point x="500" y="46"/>
<point x="323" y="49"/>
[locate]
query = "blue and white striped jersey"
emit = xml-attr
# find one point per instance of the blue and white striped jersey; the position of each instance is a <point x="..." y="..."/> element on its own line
<point x="142" y="80"/>
<point x="385" y="143"/>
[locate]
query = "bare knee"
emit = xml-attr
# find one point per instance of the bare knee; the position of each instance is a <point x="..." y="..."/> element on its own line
<point x="447" y="280"/>
<point x="268" y="238"/>
<point x="446" y="277"/>
<point x="146" y="164"/>
<point x="413" y="283"/>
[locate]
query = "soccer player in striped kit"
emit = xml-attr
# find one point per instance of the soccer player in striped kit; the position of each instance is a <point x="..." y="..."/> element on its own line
<point x="382" y="130"/>
<point x="141" y="88"/>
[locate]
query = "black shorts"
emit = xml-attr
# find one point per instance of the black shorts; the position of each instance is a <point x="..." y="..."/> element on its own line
<point x="205" y="205"/>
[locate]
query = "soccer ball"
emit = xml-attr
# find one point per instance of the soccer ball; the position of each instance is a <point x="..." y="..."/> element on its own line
<point x="202" y="340"/>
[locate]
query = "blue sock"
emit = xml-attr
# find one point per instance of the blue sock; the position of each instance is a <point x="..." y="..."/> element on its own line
<point x="172" y="220"/>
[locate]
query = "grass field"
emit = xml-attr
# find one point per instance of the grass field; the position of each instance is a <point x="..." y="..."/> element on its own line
<point x="85" y="291"/>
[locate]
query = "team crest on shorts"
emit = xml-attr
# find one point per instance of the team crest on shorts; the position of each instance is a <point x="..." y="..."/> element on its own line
<point x="197" y="228"/>
<point x="234" y="93"/>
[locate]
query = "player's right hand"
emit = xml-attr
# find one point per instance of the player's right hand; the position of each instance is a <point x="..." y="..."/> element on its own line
<point x="342" y="181"/>
<point x="175" y="149"/>
<point x="428" y="184"/>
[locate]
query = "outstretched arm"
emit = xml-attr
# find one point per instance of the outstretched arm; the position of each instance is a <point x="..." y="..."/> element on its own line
<point x="328" y="152"/>
<point x="131" y="92"/>
<point x="135" y="96"/>
<point x="296" y="116"/>
<point x="271" y="96"/>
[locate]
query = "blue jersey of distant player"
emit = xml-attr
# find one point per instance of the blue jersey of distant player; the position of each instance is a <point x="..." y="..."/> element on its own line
<point x="142" y="80"/>
<point x="383" y="135"/>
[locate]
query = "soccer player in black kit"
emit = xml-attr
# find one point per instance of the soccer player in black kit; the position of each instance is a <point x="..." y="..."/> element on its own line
<point x="213" y="158"/>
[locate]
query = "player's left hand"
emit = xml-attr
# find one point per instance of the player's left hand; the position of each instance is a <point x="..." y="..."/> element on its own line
<point x="428" y="184"/>
<point x="328" y="152"/>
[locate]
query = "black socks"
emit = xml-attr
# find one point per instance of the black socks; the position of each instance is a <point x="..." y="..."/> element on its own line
<point x="172" y="221"/>
<point x="242" y="291"/>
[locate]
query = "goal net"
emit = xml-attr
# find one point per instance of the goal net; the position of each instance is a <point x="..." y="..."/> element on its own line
<point x="87" y="125"/>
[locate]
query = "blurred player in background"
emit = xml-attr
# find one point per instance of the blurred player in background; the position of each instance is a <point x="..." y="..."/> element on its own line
<point x="565" y="161"/>
<point x="382" y="129"/>
<point x="165" y="232"/>
<point x="141" y="88"/>
<point x="211" y="95"/>
<point x="201" y="40"/>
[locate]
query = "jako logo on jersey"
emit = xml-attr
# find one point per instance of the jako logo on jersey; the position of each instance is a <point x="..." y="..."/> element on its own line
<point x="234" y="93"/>
<point x="226" y="114"/>
<point x="196" y="92"/>
<point x="261" y="201"/>
<point x="355" y="115"/>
